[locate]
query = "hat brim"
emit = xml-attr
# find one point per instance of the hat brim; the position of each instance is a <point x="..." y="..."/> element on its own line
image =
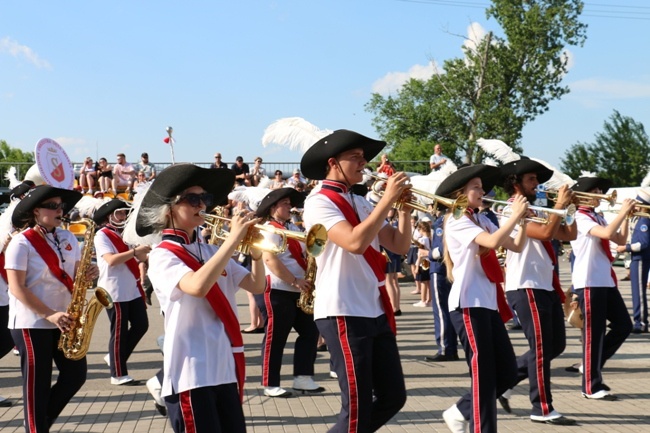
<point x="175" y="179"/>
<point x="104" y="211"/>
<point x="297" y="200"/>
<point x="586" y="184"/>
<point x="25" y="208"/>
<point x="488" y="174"/>
<point x="525" y="165"/>
<point x="314" y="162"/>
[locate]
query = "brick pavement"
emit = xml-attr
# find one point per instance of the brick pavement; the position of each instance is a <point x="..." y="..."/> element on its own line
<point x="101" y="407"/>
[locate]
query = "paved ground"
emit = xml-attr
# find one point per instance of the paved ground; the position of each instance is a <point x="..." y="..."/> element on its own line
<point x="101" y="407"/>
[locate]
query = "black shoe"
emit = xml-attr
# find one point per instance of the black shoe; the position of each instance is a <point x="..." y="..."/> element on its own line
<point x="574" y="368"/>
<point x="321" y="348"/>
<point x="441" y="358"/>
<point x="505" y="404"/>
<point x="513" y="327"/>
<point x="253" y="331"/>
<point x="398" y="313"/>
<point x="557" y="421"/>
<point x="605" y="387"/>
<point x="161" y="409"/>
<point x="6" y="403"/>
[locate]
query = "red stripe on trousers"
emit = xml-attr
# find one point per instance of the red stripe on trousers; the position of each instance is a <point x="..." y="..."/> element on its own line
<point x="471" y="339"/>
<point x="586" y="364"/>
<point x="118" y="335"/>
<point x="31" y="371"/>
<point x="539" y="351"/>
<point x="187" y="412"/>
<point x="350" y="374"/>
<point x="269" y="333"/>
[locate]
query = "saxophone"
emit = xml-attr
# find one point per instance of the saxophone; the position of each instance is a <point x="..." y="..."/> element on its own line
<point x="74" y="343"/>
<point x="306" y="300"/>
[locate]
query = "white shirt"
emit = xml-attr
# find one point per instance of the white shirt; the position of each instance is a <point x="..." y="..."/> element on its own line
<point x="287" y="260"/>
<point x="591" y="267"/>
<point x="119" y="169"/>
<point x="197" y="351"/>
<point x="118" y="280"/>
<point x="530" y="269"/>
<point x="471" y="287"/>
<point x="345" y="283"/>
<point x="21" y="256"/>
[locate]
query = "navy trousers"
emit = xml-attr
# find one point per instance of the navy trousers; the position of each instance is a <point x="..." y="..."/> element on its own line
<point x="124" y="339"/>
<point x="446" y="337"/>
<point x="639" y="280"/>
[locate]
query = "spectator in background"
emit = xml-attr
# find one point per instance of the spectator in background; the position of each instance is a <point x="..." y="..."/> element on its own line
<point x="242" y="172"/>
<point x="295" y="178"/>
<point x="147" y="168"/>
<point x="105" y="175"/>
<point x="386" y="166"/>
<point x="123" y="174"/>
<point x="278" y="181"/>
<point x="88" y="176"/>
<point x="258" y="172"/>
<point x="437" y="159"/>
<point x="217" y="162"/>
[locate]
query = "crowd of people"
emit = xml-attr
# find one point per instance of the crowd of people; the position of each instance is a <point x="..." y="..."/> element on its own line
<point x="169" y="240"/>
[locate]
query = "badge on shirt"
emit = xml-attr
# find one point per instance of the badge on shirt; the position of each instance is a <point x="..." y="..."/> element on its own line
<point x="439" y="231"/>
<point x="643" y="228"/>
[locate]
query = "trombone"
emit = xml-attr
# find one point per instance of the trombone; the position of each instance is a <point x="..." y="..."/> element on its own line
<point x="585" y="198"/>
<point x="457" y="206"/>
<point x="314" y="240"/>
<point x="567" y="215"/>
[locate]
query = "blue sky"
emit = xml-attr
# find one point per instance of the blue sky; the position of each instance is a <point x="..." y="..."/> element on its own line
<point x="105" y="77"/>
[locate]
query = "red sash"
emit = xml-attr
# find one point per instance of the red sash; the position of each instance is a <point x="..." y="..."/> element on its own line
<point x="548" y="246"/>
<point x="222" y="309"/>
<point x="492" y="269"/>
<point x="49" y="257"/>
<point x="3" y="271"/>
<point x="375" y="259"/>
<point x="604" y="243"/>
<point x="293" y="246"/>
<point x="132" y="264"/>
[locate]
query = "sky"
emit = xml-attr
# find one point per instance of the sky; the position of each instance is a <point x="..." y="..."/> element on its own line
<point x="107" y="77"/>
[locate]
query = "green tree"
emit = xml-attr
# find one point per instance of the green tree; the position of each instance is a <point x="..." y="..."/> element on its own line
<point x="494" y="90"/>
<point x="620" y="153"/>
<point x="10" y="155"/>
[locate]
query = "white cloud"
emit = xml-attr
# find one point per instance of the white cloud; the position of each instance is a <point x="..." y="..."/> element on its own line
<point x="598" y="88"/>
<point x="392" y="81"/>
<point x="13" y="48"/>
<point x="475" y="34"/>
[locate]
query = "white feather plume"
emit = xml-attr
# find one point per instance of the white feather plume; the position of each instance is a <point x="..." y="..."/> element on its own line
<point x="34" y="175"/>
<point x="646" y="180"/>
<point x="87" y="205"/>
<point x="11" y="177"/>
<point x="585" y="173"/>
<point x="558" y="179"/>
<point x="128" y="234"/>
<point x="252" y="195"/>
<point x="6" y="227"/>
<point x="265" y="182"/>
<point x="293" y="132"/>
<point x="497" y="148"/>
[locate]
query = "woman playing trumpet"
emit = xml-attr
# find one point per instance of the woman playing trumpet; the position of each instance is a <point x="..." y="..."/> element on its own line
<point x="203" y="350"/>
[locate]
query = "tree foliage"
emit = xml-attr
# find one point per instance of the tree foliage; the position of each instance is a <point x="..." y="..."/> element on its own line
<point x="9" y="155"/>
<point x="620" y="153"/>
<point x="499" y="86"/>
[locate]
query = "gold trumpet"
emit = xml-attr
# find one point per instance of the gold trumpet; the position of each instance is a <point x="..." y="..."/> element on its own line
<point x="314" y="240"/>
<point x="639" y="210"/>
<point x="457" y="206"/>
<point x="568" y="214"/>
<point x="585" y="198"/>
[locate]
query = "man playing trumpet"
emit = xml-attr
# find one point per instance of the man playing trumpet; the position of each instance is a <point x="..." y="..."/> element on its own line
<point x="533" y="288"/>
<point x="285" y="276"/>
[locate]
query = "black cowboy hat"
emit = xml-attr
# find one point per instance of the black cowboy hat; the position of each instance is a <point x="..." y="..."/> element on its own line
<point x="104" y="211"/>
<point x="526" y="165"/>
<point x="489" y="175"/>
<point x="586" y="184"/>
<point x="314" y="161"/>
<point x="36" y="196"/>
<point x="21" y="189"/>
<point x="175" y="179"/>
<point x="275" y="196"/>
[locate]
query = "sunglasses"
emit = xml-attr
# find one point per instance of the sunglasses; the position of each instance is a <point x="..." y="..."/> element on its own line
<point x="52" y="206"/>
<point x="217" y="157"/>
<point x="195" y="200"/>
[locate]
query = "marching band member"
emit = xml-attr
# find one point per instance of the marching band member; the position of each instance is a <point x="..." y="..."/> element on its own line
<point x="203" y="349"/>
<point x="41" y="263"/>
<point x="595" y="283"/>
<point x="476" y="301"/>
<point x="352" y="309"/>
<point x="119" y="275"/>
<point x="285" y="276"/>
<point x="533" y="288"/>
<point x="640" y="266"/>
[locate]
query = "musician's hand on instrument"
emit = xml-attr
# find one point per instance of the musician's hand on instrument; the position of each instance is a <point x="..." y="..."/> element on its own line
<point x="60" y="319"/>
<point x="627" y="207"/>
<point x="396" y="185"/>
<point x="301" y="284"/>
<point x="519" y="206"/>
<point x="240" y="224"/>
<point x="565" y="196"/>
<point x="93" y="271"/>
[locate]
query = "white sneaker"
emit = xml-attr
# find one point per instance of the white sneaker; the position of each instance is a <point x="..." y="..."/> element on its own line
<point x="581" y="369"/>
<point x="122" y="380"/>
<point x="276" y="391"/>
<point x="333" y="375"/>
<point x="600" y="395"/>
<point x="455" y="420"/>
<point x="107" y="359"/>
<point x="15" y="351"/>
<point x="154" y="387"/>
<point x="420" y="304"/>
<point x="306" y="384"/>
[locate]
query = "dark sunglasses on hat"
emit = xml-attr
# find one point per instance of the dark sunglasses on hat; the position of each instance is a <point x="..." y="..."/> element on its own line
<point x="195" y="200"/>
<point x="52" y="206"/>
